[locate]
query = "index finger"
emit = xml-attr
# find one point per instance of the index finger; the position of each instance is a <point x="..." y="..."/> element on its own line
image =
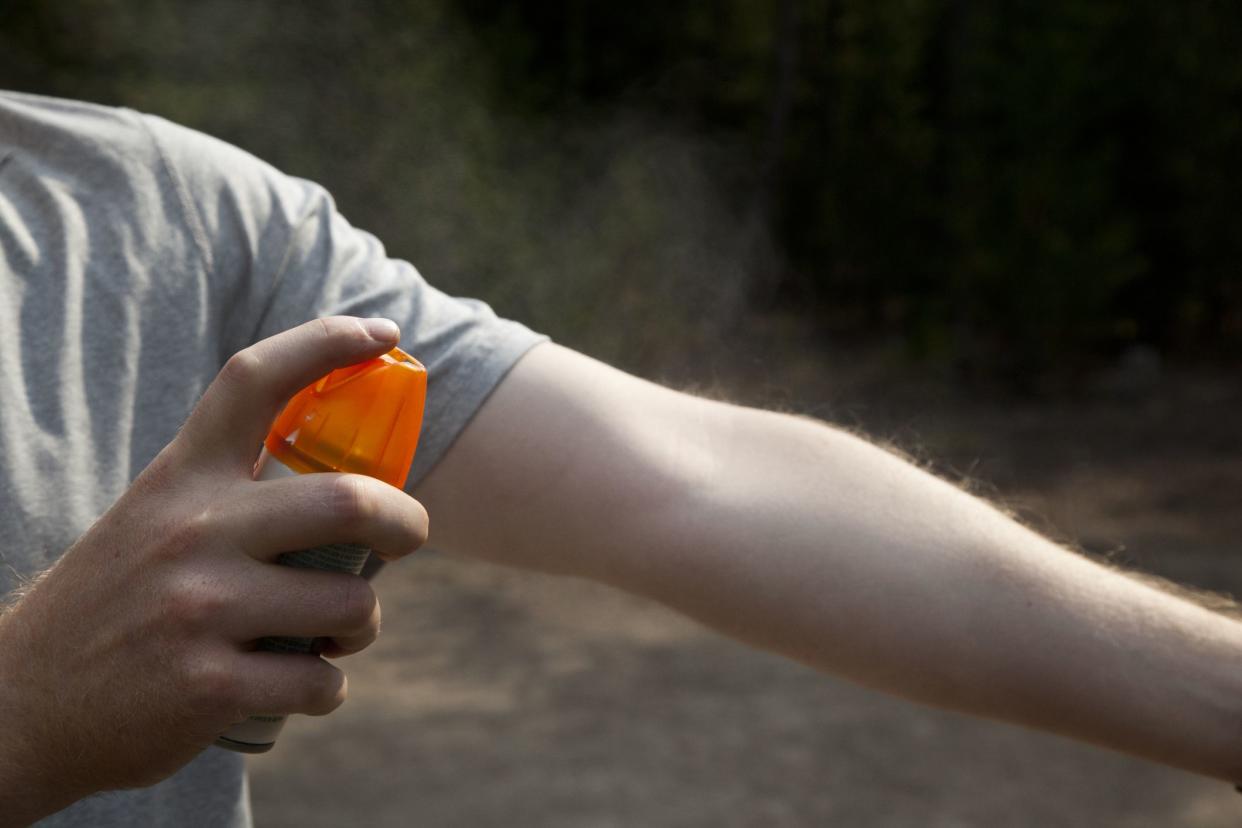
<point x="233" y="417"/>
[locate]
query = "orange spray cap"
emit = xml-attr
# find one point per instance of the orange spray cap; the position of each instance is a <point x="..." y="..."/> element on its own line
<point x="362" y="419"/>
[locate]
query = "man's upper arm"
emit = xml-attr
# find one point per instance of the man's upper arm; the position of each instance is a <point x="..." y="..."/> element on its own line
<point x="572" y="466"/>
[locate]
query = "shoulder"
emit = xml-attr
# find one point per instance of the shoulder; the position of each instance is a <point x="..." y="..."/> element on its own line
<point x="198" y="216"/>
<point x="229" y="189"/>
<point x="146" y="163"/>
<point x="64" y="122"/>
<point x="88" y="180"/>
<point x="88" y="148"/>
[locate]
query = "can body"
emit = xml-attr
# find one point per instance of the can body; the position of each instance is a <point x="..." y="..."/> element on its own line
<point x="259" y="732"/>
<point x="361" y="419"/>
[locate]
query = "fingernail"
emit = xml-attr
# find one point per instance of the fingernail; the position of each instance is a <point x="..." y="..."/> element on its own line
<point x="382" y="330"/>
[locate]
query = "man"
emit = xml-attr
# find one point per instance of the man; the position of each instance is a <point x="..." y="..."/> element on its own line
<point x="140" y="259"/>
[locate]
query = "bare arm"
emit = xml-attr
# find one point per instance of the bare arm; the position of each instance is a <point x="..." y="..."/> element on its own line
<point x="802" y="539"/>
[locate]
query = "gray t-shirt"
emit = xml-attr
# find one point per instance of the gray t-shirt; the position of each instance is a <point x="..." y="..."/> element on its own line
<point x="135" y="257"/>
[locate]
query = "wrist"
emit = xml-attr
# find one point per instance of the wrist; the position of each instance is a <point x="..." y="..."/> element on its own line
<point x="1191" y="703"/>
<point x="28" y="790"/>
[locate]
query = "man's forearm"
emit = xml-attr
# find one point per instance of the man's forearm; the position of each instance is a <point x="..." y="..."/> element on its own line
<point x="819" y="545"/>
<point x="802" y="539"/>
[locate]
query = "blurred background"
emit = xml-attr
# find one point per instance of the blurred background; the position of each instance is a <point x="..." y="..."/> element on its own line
<point x="1005" y="238"/>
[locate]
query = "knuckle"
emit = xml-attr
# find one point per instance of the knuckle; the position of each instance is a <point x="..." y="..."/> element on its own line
<point x="193" y="603"/>
<point x="326" y="692"/>
<point x="243" y="369"/>
<point x="354" y="500"/>
<point x="211" y="685"/>
<point x="358" y="603"/>
<point x="410" y="529"/>
<point x="189" y="534"/>
<point x="323" y="328"/>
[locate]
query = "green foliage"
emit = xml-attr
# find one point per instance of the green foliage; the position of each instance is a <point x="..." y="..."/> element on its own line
<point x="1018" y="187"/>
<point x="1010" y="188"/>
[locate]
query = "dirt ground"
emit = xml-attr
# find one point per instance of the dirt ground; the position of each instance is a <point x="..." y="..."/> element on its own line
<point x="499" y="698"/>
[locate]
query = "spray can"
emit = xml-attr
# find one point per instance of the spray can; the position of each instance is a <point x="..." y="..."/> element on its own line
<point x="362" y="419"/>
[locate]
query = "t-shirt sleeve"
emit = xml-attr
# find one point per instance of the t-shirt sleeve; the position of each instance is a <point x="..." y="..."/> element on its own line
<point x="279" y="253"/>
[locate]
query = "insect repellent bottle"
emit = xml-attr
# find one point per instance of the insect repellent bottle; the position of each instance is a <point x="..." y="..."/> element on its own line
<point x="362" y="419"/>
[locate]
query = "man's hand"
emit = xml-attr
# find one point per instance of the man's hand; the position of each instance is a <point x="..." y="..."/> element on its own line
<point x="135" y="650"/>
